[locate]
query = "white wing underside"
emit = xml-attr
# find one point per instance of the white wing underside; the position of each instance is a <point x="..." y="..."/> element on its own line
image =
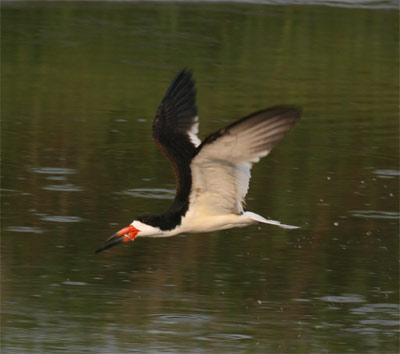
<point x="221" y="169"/>
<point x="220" y="179"/>
<point x="194" y="130"/>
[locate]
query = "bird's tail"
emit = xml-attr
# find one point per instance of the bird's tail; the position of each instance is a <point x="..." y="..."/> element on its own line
<point x="259" y="218"/>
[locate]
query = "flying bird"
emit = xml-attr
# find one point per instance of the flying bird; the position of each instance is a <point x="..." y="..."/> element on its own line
<point x="212" y="177"/>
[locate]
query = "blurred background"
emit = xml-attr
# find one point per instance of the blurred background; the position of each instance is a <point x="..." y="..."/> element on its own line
<point x="81" y="82"/>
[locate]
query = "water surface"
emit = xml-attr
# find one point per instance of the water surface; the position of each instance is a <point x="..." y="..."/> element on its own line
<point x="81" y="84"/>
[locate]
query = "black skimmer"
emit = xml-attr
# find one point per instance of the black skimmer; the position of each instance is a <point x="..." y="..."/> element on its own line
<point x="212" y="176"/>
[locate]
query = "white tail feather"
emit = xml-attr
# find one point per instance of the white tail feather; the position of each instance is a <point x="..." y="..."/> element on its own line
<point x="259" y="218"/>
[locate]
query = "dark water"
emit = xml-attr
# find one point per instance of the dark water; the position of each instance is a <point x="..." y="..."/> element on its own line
<point x="80" y="86"/>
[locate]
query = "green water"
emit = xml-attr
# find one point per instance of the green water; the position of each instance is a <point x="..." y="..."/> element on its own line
<point x="81" y="82"/>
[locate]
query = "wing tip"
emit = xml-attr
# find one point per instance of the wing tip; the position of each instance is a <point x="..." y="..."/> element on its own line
<point x="283" y="110"/>
<point x="287" y="114"/>
<point x="290" y="113"/>
<point x="183" y="78"/>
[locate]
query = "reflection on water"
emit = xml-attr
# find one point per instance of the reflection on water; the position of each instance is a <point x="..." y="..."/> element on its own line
<point x="81" y="83"/>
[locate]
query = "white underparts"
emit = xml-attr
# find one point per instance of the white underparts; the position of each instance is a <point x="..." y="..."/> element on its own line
<point x="193" y="222"/>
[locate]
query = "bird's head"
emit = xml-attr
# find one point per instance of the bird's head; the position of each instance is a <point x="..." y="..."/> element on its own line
<point x="126" y="234"/>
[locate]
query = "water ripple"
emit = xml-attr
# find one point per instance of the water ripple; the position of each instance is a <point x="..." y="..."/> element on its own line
<point x="366" y="4"/>
<point x="27" y="229"/>
<point x="79" y="283"/>
<point x="182" y="318"/>
<point x="387" y="173"/>
<point x="230" y="336"/>
<point x="375" y="214"/>
<point x="63" y="188"/>
<point x="345" y="298"/>
<point x="56" y="178"/>
<point x="53" y="170"/>
<point x="381" y="317"/>
<point x="150" y="193"/>
<point x="58" y="218"/>
<point x="387" y="308"/>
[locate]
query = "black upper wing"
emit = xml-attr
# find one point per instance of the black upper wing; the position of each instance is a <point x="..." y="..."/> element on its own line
<point x="175" y="129"/>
